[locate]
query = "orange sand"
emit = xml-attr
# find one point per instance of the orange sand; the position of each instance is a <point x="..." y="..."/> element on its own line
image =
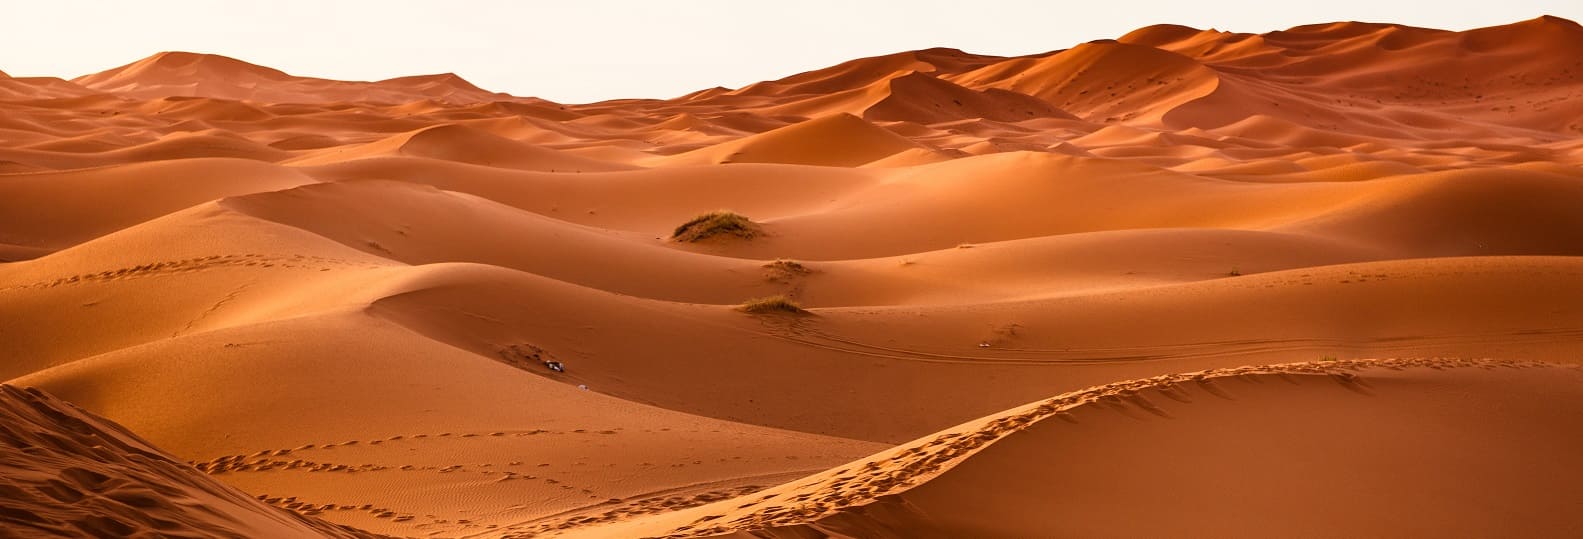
<point x="338" y="297"/>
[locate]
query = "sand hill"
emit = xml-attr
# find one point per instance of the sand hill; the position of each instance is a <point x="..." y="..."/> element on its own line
<point x="933" y="294"/>
<point x="71" y="473"/>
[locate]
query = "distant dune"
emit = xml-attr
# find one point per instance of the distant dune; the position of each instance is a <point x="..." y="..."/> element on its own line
<point x="1315" y="282"/>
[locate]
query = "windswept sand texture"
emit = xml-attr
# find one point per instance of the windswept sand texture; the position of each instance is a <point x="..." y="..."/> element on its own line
<point x="68" y="472"/>
<point x="340" y="298"/>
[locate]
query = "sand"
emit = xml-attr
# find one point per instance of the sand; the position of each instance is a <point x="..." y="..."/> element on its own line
<point x="1316" y="282"/>
<point x="71" y="473"/>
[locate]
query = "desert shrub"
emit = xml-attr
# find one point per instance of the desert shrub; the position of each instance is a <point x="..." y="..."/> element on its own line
<point x="772" y="305"/>
<point x="789" y="267"/>
<point x="716" y="223"/>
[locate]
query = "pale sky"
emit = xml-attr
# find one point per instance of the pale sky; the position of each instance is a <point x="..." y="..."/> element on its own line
<point x="588" y="50"/>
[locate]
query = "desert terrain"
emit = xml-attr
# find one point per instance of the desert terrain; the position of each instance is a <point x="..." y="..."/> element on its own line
<point x="1319" y="282"/>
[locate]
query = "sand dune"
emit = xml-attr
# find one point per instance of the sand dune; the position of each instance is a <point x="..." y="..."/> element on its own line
<point x="35" y="89"/>
<point x="1101" y="81"/>
<point x="53" y="210"/>
<point x="71" y="473"/>
<point x="1177" y="448"/>
<point x="931" y="294"/>
<point x="835" y="140"/>
<point x="920" y="98"/>
<point x="463" y="144"/>
<point x="206" y="75"/>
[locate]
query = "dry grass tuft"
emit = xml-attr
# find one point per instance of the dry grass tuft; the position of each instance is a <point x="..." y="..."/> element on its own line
<point x="716" y="223"/>
<point x="789" y="267"/>
<point x="772" y="305"/>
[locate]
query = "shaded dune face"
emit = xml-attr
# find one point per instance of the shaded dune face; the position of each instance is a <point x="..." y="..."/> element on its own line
<point x="69" y="473"/>
<point x="833" y="304"/>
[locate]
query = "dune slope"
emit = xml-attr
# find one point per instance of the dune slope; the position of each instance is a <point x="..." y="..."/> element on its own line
<point x="69" y="473"/>
<point x="1315" y="449"/>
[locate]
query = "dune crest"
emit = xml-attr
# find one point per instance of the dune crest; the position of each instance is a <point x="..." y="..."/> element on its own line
<point x="186" y="74"/>
<point x="837" y="140"/>
<point x="994" y="477"/>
